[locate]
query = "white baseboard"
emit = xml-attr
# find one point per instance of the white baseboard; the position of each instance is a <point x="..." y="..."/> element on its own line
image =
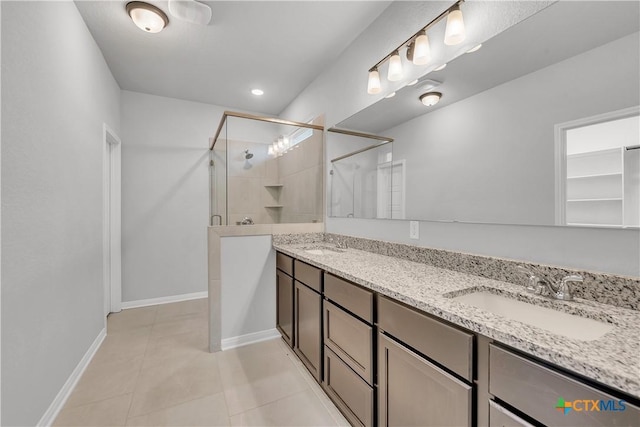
<point x="54" y="409"/>
<point x="163" y="300"/>
<point x="255" y="337"/>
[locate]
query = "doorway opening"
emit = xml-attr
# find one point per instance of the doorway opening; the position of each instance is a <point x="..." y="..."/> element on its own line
<point x="112" y="249"/>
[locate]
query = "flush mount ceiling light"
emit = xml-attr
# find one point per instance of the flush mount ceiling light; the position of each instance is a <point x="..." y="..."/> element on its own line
<point x="418" y="48"/>
<point x="430" y="98"/>
<point x="147" y="17"/>
<point x="257" y="92"/>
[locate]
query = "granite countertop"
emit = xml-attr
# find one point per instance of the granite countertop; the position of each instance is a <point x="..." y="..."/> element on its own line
<point x="613" y="359"/>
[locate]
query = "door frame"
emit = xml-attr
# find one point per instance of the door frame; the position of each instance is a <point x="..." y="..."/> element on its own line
<point x="560" y="148"/>
<point x="112" y="221"/>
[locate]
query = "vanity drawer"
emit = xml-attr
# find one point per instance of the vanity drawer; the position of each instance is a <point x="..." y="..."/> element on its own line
<point x="535" y="389"/>
<point x="501" y="417"/>
<point x="353" y="298"/>
<point x="308" y="274"/>
<point x="284" y="263"/>
<point x="349" y="338"/>
<point x="348" y="391"/>
<point x="446" y="345"/>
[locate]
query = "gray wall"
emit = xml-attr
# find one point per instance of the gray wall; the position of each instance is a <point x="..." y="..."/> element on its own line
<point x="165" y="195"/>
<point x="56" y="93"/>
<point x="341" y="91"/>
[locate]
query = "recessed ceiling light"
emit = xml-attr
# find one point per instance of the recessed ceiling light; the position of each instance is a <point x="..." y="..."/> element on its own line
<point x="411" y="83"/>
<point x="440" y="67"/>
<point x="391" y="95"/>
<point x="147" y="17"/>
<point x="475" y="48"/>
<point x="257" y="92"/>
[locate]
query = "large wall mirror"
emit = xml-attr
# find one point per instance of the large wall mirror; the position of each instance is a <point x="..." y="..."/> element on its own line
<point x="540" y="126"/>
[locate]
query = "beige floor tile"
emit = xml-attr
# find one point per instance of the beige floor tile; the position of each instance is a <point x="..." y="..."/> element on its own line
<point x="131" y="319"/>
<point x="236" y="357"/>
<point x="123" y="345"/>
<point x="106" y="380"/>
<point x="175" y="346"/>
<point x="300" y="409"/>
<point x="175" y="380"/>
<point x="255" y="380"/>
<point x="180" y="309"/>
<point x="108" y="412"/>
<point x="206" y="411"/>
<point x="187" y="323"/>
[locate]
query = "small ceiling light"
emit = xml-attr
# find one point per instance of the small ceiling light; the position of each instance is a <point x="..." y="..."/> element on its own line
<point x="257" y="92"/>
<point x="421" y="49"/>
<point x="475" y="48"/>
<point x="373" y="85"/>
<point x="442" y="67"/>
<point x="411" y="83"/>
<point x="147" y="17"/>
<point x="430" y="98"/>
<point x="454" y="33"/>
<point x="395" y="67"/>
<point x="391" y="95"/>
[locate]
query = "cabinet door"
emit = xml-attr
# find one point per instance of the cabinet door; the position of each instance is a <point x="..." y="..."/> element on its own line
<point x="308" y="314"/>
<point x="284" y="309"/>
<point x="414" y="392"/>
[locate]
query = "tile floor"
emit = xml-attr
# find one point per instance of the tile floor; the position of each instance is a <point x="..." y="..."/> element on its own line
<point x="153" y="369"/>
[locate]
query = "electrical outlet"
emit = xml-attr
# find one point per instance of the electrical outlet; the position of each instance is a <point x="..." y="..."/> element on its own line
<point x="414" y="230"/>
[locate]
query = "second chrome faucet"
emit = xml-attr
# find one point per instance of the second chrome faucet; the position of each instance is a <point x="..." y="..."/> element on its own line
<point x="541" y="285"/>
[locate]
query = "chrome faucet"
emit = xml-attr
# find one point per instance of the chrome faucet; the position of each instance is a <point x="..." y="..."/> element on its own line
<point x="339" y="244"/>
<point x="539" y="284"/>
<point x="214" y="217"/>
<point x="246" y="221"/>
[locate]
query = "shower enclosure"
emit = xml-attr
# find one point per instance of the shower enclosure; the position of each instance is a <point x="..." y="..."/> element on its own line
<point x="266" y="171"/>
<point x="364" y="180"/>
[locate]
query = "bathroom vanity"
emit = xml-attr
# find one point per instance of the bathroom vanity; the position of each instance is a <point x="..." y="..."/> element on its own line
<point x="397" y="348"/>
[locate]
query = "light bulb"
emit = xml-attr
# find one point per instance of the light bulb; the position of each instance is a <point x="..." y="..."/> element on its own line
<point x="270" y="151"/>
<point x="395" y="67"/>
<point x="421" y="49"/>
<point x="430" y="98"/>
<point x="454" y="33"/>
<point x="373" y="86"/>
<point x="147" y="17"/>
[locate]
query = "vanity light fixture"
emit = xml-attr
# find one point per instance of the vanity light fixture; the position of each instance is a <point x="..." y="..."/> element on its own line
<point x="454" y="33"/>
<point x="430" y="98"/>
<point x="373" y="86"/>
<point x="418" y="50"/>
<point x="395" y="67"/>
<point x="147" y="17"/>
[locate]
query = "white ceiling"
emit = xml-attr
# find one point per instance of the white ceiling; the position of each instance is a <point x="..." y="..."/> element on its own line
<point x="277" y="46"/>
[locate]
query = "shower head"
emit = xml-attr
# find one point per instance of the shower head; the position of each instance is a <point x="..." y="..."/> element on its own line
<point x="247" y="154"/>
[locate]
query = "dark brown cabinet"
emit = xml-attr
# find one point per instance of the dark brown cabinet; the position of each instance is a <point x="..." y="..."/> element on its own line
<point x="284" y="298"/>
<point x="307" y="316"/>
<point x="308" y="332"/>
<point x="284" y="309"/>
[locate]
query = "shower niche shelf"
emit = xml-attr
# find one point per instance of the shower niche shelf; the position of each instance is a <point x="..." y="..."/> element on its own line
<point x="274" y="207"/>
<point x="273" y="185"/>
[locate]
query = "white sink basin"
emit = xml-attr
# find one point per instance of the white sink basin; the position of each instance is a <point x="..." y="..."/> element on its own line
<point x="322" y="250"/>
<point x="557" y="322"/>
